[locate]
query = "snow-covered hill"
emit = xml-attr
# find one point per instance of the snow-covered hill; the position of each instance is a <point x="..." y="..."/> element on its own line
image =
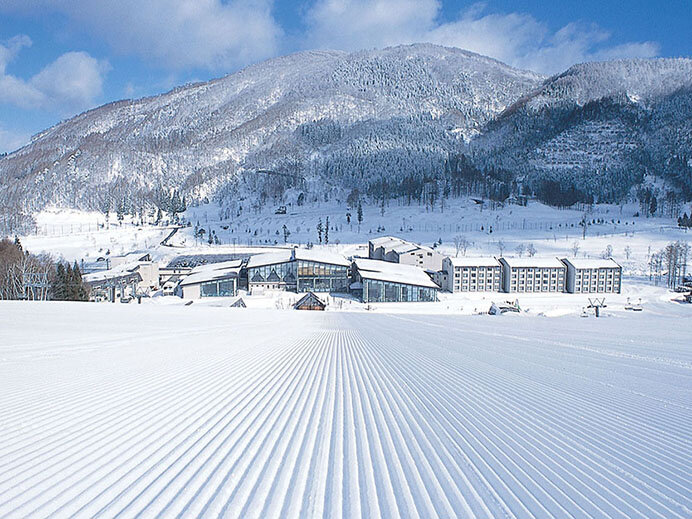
<point x="307" y="115"/>
<point x="599" y="128"/>
<point x="641" y="80"/>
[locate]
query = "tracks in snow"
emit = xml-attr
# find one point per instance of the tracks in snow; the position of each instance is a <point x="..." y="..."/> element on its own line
<point x="287" y="414"/>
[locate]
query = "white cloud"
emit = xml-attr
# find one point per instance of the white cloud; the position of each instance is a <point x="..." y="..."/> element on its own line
<point x="11" y="48"/>
<point x="175" y="34"/>
<point x="72" y="82"/>
<point x="75" y="79"/>
<point x="358" y="24"/>
<point x="515" y="38"/>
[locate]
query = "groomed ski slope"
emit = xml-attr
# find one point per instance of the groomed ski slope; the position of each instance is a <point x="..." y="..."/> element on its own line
<point x="164" y="412"/>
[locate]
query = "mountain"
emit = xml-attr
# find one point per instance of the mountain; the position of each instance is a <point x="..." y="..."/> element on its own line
<point x="417" y="121"/>
<point x="312" y="118"/>
<point x="597" y="131"/>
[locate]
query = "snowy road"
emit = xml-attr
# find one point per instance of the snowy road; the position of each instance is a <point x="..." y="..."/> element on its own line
<point x="126" y="411"/>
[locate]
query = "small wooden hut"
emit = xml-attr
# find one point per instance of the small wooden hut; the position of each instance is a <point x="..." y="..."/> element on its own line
<point x="310" y="302"/>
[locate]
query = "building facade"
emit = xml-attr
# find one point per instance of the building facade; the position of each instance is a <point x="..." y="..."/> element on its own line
<point x="215" y="280"/>
<point x="128" y="277"/>
<point x="533" y="275"/>
<point x="298" y="270"/>
<point x="592" y="276"/>
<point x="396" y="250"/>
<point x="472" y="275"/>
<point x="112" y="287"/>
<point x="380" y="281"/>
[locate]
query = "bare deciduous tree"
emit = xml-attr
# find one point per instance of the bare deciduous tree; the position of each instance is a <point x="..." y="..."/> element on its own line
<point x="461" y="244"/>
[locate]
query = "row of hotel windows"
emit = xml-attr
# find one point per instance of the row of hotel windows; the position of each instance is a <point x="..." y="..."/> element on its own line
<point x="527" y="279"/>
<point x="545" y="274"/>
<point x="601" y="275"/>
<point x="477" y="274"/>
<point x="609" y="283"/>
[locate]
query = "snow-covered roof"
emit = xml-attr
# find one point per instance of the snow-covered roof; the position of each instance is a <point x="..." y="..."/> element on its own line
<point x="321" y="256"/>
<point x="283" y="256"/>
<point x="384" y="240"/>
<point x="269" y="258"/>
<point x="122" y="270"/>
<point x="592" y="263"/>
<point x="173" y="280"/>
<point x="465" y="261"/>
<point x="186" y="261"/>
<point x="130" y="258"/>
<point x="405" y="247"/>
<point x="393" y="272"/>
<point x="392" y="243"/>
<point x="534" y="262"/>
<point x="213" y="271"/>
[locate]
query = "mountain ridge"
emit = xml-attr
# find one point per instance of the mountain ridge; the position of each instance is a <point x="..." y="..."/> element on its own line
<point x="388" y="122"/>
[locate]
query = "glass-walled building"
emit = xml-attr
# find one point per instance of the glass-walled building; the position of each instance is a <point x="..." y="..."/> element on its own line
<point x="316" y="276"/>
<point x="298" y="270"/>
<point x="214" y="280"/>
<point x="219" y="288"/>
<point x="273" y="270"/>
<point x="382" y="282"/>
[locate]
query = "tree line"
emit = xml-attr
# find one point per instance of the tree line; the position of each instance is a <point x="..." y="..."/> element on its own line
<point x="28" y="276"/>
<point x="670" y="264"/>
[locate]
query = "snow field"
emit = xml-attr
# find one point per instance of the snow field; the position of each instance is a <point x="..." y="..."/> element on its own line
<point x="169" y="411"/>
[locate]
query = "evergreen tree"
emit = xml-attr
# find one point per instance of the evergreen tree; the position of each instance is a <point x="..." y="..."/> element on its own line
<point x="59" y="287"/>
<point x="69" y="279"/>
<point x="326" y="232"/>
<point x="121" y="211"/>
<point x="319" y="230"/>
<point x="73" y="287"/>
<point x="360" y="214"/>
<point x="79" y="291"/>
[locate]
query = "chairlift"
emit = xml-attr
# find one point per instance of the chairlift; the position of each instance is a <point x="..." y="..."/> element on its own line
<point x="597" y="304"/>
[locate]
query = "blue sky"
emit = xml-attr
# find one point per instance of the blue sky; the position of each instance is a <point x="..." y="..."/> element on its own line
<point x="59" y="58"/>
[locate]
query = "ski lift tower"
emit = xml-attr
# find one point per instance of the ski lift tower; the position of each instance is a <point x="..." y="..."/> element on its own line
<point x="35" y="286"/>
<point x="597" y="304"/>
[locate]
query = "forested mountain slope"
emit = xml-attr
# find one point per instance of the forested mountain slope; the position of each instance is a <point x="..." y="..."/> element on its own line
<point x="331" y="117"/>
<point x="598" y="130"/>
<point x="418" y="121"/>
